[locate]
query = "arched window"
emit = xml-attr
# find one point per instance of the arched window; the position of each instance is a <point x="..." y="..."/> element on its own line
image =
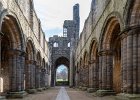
<point x="55" y="44"/>
<point x="65" y="32"/>
<point x="69" y="44"/>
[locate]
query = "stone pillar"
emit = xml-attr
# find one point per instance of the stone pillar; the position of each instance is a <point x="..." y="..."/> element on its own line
<point x="129" y="64"/>
<point x="71" y="69"/>
<point x="138" y="70"/>
<point x="30" y="75"/>
<point x="38" y="71"/>
<point x="124" y="63"/>
<point x="130" y="61"/>
<point x="43" y="76"/>
<point x="0" y="53"/>
<point x="91" y="66"/>
<point x="95" y="75"/>
<point x="100" y="71"/>
<point x="105" y="73"/>
<point x="135" y="62"/>
<point x="16" y="65"/>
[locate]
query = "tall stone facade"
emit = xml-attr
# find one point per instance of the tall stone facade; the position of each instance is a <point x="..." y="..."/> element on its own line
<point x="24" y="53"/>
<point x="61" y="47"/>
<point x="107" y="57"/>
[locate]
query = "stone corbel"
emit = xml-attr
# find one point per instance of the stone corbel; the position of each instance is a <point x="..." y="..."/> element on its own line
<point x="16" y="52"/>
<point x="105" y="52"/>
<point x="92" y="61"/>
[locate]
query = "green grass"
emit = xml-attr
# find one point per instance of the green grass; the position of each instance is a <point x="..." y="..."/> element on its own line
<point x="60" y="80"/>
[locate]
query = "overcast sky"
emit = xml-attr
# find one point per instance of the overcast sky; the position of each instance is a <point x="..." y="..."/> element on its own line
<point x="52" y="14"/>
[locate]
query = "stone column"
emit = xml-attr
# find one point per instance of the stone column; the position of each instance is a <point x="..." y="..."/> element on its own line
<point x="43" y="74"/>
<point x="138" y="70"/>
<point x="95" y="75"/>
<point x="100" y="71"/>
<point x="38" y="71"/>
<point x="16" y="65"/>
<point x="1" y="34"/>
<point x="91" y="66"/>
<point x="135" y="61"/>
<point x="124" y="62"/>
<point x="30" y="74"/>
<point x="130" y="57"/>
<point x="105" y="69"/>
<point x="129" y="64"/>
<point x="86" y="75"/>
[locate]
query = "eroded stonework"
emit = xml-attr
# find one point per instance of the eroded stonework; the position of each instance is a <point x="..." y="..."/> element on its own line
<point x="61" y="47"/>
<point x="108" y="55"/>
<point x="24" y="53"/>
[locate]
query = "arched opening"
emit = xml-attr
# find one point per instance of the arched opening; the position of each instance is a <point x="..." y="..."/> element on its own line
<point x="11" y="55"/>
<point x="61" y="61"/>
<point x="61" y="75"/>
<point x="116" y="47"/>
<point x="111" y="48"/>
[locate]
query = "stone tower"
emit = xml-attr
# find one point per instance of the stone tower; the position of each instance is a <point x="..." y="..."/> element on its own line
<point x="61" y="47"/>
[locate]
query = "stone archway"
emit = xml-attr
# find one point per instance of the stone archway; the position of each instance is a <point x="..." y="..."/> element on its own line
<point x="110" y="57"/>
<point x="12" y="56"/>
<point x="61" y="61"/>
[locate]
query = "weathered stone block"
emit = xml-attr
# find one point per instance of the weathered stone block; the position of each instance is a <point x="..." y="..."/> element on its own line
<point x="91" y="90"/>
<point x="101" y="93"/>
<point x="16" y="94"/>
<point x="84" y="88"/>
<point x="123" y="96"/>
<point x="31" y="91"/>
<point x="2" y="98"/>
<point x="39" y="89"/>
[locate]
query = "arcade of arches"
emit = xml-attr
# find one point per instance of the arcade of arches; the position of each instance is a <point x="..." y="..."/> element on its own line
<point x="106" y="59"/>
<point x="24" y="63"/>
<point x="108" y="54"/>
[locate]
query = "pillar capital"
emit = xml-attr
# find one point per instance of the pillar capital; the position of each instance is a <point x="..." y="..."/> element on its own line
<point x="16" y="52"/>
<point x="105" y="52"/>
<point x="31" y="62"/>
<point x="1" y="34"/>
<point x="92" y="61"/>
<point x="129" y="30"/>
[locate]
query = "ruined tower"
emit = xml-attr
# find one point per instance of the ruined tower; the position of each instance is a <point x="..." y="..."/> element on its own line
<point x="62" y="46"/>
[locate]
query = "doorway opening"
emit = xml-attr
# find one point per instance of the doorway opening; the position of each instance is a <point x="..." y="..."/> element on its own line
<point x="62" y="76"/>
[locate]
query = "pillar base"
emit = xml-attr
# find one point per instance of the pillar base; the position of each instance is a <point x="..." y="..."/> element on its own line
<point x="39" y="89"/>
<point x="84" y="88"/>
<point x="2" y="98"/>
<point x="91" y="90"/>
<point x="80" y="87"/>
<point x="123" y="96"/>
<point x="31" y="91"/>
<point x="101" y="93"/>
<point x="20" y="94"/>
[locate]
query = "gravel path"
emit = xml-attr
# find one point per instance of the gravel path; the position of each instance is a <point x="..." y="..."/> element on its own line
<point x="61" y="93"/>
